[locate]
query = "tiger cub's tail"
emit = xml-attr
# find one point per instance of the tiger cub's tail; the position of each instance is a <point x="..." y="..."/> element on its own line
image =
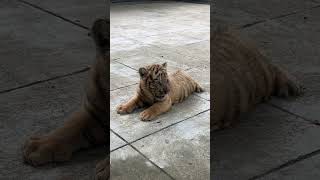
<point x="100" y="32"/>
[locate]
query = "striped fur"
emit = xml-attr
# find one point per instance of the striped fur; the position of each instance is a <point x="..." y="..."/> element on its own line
<point x="242" y="77"/>
<point x="159" y="90"/>
<point x="86" y="127"/>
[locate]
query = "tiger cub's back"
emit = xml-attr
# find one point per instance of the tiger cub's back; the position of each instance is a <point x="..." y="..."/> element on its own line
<point x="242" y="77"/>
<point x="181" y="86"/>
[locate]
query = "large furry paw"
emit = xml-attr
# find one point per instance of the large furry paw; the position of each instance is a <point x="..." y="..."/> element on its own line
<point x="103" y="170"/>
<point x="124" y="109"/>
<point x="41" y="150"/>
<point x="199" y="89"/>
<point x="290" y="89"/>
<point x="289" y="86"/>
<point x="286" y="84"/>
<point x="147" y="115"/>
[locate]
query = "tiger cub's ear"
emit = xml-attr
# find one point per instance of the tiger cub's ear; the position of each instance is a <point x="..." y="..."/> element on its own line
<point x="164" y="65"/>
<point x="142" y="71"/>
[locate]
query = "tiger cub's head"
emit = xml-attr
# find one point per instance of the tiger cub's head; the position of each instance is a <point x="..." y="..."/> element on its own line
<point x="154" y="79"/>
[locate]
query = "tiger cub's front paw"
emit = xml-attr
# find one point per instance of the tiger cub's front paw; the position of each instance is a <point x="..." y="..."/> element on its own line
<point x="147" y="115"/>
<point x="124" y="109"/>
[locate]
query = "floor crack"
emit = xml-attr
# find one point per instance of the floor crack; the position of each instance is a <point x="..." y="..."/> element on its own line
<point x="123" y="87"/>
<point x="314" y="122"/>
<point x="127" y="143"/>
<point x="144" y="156"/>
<point x="287" y="164"/>
<point x="45" y="80"/>
<point x="54" y="14"/>
<point x="277" y="17"/>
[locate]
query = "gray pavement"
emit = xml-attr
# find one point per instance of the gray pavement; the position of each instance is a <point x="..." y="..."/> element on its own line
<point x="44" y="62"/>
<point x="176" y="144"/>
<point x="280" y="139"/>
<point x="45" y="54"/>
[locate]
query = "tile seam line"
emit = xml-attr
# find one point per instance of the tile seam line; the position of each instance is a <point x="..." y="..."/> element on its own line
<point x="122" y="87"/>
<point x="295" y="12"/>
<point x="288" y="164"/>
<point x="144" y="156"/>
<point x="169" y="175"/>
<point x="130" y="143"/>
<point x="119" y="147"/>
<point x="52" y="13"/>
<point x="45" y="80"/>
<point x="166" y="127"/>
<point x="196" y="94"/>
<point x="313" y="122"/>
<point x="158" y="1"/>
<point x="125" y="65"/>
<point x="187" y="69"/>
<point x="165" y="33"/>
<point x="277" y="17"/>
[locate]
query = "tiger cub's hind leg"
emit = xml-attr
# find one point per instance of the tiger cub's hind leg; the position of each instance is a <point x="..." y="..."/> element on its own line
<point x="286" y="85"/>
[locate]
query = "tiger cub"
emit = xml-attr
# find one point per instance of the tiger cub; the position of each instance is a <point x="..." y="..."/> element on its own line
<point x="242" y="77"/>
<point x="159" y="91"/>
<point x="87" y="127"/>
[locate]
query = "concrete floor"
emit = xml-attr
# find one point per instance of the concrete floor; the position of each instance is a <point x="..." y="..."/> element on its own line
<point x="45" y="52"/>
<point x="175" y="145"/>
<point x="280" y="140"/>
<point x="45" y="56"/>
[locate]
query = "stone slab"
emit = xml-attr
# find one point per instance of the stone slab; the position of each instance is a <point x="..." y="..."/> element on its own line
<point x="192" y="55"/>
<point x="115" y="142"/>
<point x="265" y="9"/>
<point x="144" y="18"/>
<point x="37" y="110"/>
<point x="38" y="46"/>
<point x="141" y="60"/>
<point x="291" y="43"/>
<point x="171" y="39"/>
<point x="231" y="16"/>
<point x="130" y="127"/>
<point x="121" y="76"/>
<point x="79" y="11"/>
<point x="283" y="46"/>
<point x="306" y="169"/>
<point x="126" y="162"/>
<point x="182" y="150"/>
<point x="264" y="139"/>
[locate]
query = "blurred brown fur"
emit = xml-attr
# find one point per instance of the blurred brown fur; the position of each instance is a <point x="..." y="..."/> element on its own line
<point x="159" y="90"/>
<point x="242" y="77"/>
<point x="88" y="126"/>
